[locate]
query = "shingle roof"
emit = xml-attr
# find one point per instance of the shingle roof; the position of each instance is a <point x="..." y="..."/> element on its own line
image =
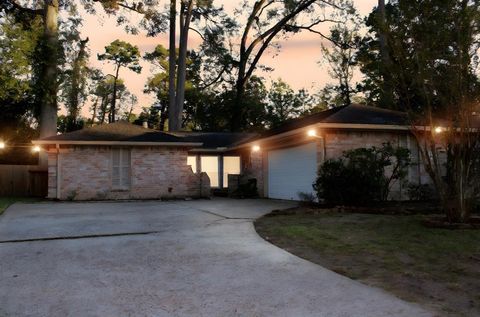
<point x="122" y="131"/>
<point x="125" y="132"/>
<point x="351" y="114"/>
<point x="116" y="132"/>
<point x="213" y="140"/>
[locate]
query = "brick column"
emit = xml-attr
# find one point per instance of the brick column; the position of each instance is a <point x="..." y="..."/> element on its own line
<point x="52" y="173"/>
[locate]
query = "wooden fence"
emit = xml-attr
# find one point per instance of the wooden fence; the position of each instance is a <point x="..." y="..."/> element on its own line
<point x="23" y="181"/>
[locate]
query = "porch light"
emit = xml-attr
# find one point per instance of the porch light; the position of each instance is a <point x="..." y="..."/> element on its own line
<point x="438" y="130"/>
<point x="255" y="148"/>
<point x="2" y="145"/>
<point x="312" y="133"/>
<point x="36" y="149"/>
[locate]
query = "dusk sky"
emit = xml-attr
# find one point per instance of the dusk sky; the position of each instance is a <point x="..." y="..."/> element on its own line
<point x="296" y="63"/>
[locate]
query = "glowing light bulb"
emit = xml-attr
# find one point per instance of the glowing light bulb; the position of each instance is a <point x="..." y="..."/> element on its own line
<point x="312" y="133"/>
<point x="36" y="149"/>
<point x="255" y="148"/>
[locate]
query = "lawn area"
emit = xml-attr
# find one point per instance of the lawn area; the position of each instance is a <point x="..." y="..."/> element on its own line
<point x="437" y="268"/>
<point x="7" y="201"/>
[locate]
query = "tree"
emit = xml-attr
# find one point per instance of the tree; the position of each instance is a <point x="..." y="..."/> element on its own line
<point x="105" y="94"/>
<point x="283" y="103"/>
<point x="47" y="57"/>
<point x="172" y="63"/>
<point x="340" y="53"/>
<point x="154" y="21"/>
<point x="266" y="21"/>
<point x="159" y="83"/>
<point x="75" y="77"/>
<point x="18" y="41"/>
<point x="121" y="54"/>
<point x="190" y="11"/>
<point x="432" y="54"/>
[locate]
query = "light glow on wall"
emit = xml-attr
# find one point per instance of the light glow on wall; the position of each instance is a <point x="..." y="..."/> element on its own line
<point x="209" y="165"/>
<point x="192" y="161"/>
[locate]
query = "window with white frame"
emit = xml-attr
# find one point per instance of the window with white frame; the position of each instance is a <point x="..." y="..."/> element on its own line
<point x="121" y="169"/>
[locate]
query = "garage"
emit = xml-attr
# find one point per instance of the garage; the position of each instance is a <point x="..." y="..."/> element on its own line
<point x="292" y="171"/>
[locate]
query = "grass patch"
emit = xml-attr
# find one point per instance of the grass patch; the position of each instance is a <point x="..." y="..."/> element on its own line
<point x="439" y="268"/>
<point x="5" y="202"/>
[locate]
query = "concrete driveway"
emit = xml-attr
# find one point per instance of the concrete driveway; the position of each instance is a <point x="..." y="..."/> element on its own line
<point x="188" y="258"/>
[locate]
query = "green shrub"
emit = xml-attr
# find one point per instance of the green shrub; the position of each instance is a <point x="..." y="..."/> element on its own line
<point x="360" y="176"/>
<point x="420" y="192"/>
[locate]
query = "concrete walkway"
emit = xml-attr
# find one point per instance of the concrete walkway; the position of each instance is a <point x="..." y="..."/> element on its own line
<point x="189" y="258"/>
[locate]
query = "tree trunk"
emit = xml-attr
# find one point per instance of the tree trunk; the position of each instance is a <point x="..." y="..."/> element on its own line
<point x="387" y="87"/>
<point x="48" y="111"/>
<point x="114" y="99"/>
<point x="172" y="57"/>
<point x="103" y="108"/>
<point x="76" y="89"/>
<point x="237" y="111"/>
<point x="185" y="18"/>
<point x="94" y="108"/>
<point x="163" y="117"/>
<point x="48" y="76"/>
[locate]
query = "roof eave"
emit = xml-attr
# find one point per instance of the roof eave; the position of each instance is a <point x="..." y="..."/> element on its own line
<point x="347" y="126"/>
<point x="124" y="143"/>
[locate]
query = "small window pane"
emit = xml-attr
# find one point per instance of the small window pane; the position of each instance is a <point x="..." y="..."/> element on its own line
<point x="231" y="165"/>
<point x="210" y="166"/>
<point x="192" y="161"/>
<point x="116" y="157"/>
<point x="116" y="176"/>
<point x="125" y="177"/>
<point x="121" y="168"/>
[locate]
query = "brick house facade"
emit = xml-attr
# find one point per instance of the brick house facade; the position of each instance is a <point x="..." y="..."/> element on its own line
<point x="334" y="143"/>
<point x="124" y="161"/>
<point x="85" y="173"/>
<point x="333" y="132"/>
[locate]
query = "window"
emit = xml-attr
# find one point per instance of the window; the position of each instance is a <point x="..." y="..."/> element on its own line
<point x="231" y="165"/>
<point x="192" y="161"/>
<point x="210" y="166"/>
<point x="121" y="169"/>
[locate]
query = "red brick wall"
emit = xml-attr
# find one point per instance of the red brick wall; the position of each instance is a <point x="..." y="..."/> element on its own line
<point x="156" y="172"/>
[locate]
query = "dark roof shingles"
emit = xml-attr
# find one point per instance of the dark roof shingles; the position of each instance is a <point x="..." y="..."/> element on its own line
<point x="213" y="140"/>
<point x="119" y="131"/>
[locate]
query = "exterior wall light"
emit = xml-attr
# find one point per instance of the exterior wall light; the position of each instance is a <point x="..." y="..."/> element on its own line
<point x="36" y="149"/>
<point x="312" y="133"/>
<point x="255" y="148"/>
<point x="2" y="145"/>
<point x="438" y="130"/>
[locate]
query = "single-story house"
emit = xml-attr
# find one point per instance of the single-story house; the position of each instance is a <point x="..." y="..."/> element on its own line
<point x="125" y="161"/>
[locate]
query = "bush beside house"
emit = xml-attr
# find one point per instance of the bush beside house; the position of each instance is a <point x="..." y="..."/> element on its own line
<point x="362" y="175"/>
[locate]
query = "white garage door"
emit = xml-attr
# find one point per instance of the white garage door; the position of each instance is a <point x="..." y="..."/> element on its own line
<point x="292" y="171"/>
